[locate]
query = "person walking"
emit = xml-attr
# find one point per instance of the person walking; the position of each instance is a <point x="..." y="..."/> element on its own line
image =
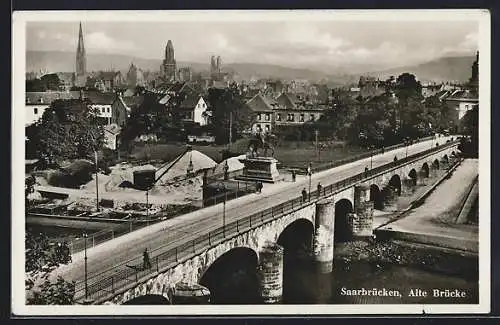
<point x="294" y="175"/>
<point x="146" y="263"/>
<point x="319" y="189"/>
<point x="304" y="195"/>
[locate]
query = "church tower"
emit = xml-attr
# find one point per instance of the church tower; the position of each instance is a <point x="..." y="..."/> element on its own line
<point x="81" y="60"/>
<point x="474" y="79"/>
<point x="169" y="66"/>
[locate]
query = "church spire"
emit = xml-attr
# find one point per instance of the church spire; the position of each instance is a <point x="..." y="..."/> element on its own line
<point x="80" y="55"/>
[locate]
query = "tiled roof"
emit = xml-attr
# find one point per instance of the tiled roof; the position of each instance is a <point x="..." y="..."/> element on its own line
<point x="260" y="104"/>
<point x="46" y="97"/>
<point x="462" y="94"/>
<point x="101" y="98"/>
<point x="287" y="100"/>
<point x="189" y="102"/>
<point x="107" y="75"/>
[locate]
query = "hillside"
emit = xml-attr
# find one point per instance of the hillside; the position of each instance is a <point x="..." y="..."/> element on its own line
<point x="65" y="61"/>
<point x="444" y="69"/>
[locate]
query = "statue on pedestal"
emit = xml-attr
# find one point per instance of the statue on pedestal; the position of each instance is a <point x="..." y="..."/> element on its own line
<point x="262" y="141"/>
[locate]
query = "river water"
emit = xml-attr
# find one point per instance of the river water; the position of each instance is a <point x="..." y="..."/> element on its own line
<point x="302" y="284"/>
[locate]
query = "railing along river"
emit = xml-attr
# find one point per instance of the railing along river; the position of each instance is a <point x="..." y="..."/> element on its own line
<point x="103" y="286"/>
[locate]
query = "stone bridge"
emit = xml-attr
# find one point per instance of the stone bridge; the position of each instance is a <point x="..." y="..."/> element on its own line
<point x="312" y="227"/>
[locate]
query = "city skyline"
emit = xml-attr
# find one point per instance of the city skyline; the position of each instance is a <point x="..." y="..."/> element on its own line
<point x="303" y="44"/>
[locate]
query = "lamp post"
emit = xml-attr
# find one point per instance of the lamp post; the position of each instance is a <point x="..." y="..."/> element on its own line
<point x="147" y="207"/>
<point x="222" y="187"/>
<point x="371" y="156"/>
<point x="96" y="182"/>
<point x="85" y="259"/>
<point x="309" y="173"/>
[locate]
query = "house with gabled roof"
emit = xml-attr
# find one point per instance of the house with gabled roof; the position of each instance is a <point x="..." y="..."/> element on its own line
<point x="263" y="108"/>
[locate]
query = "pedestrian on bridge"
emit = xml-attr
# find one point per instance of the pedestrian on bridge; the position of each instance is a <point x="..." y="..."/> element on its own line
<point x="294" y="175"/>
<point x="319" y="189"/>
<point x="366" y="171"/>
<point x="146" y="263"/>
<point x="304" y="195"/>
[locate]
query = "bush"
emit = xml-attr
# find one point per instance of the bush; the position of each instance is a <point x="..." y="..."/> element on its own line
<point x="78" y="173"/>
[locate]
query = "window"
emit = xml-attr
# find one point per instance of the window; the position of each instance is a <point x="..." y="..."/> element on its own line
<point x="291" y="117"/>
<point x="35" y="110"/>
<point x="203" y="105"/>
<point x="312" y="117"/>
<point x="278" y="117"/>
<point x="108" y="109"/>
<point x="268" y="116"/>
<point x="466" y="106"/>
<point x="302" y="117"/>
<point x="258" y="117"/>
<point x="267" y="127"/>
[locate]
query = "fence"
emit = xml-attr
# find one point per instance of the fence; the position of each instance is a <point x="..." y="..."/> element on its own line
<point x="101" y="286"/>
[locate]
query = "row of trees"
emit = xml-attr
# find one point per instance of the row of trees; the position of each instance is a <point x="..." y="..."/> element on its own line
<point x="399" y="113"/>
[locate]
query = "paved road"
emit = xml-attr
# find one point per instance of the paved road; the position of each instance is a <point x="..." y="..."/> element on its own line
<point x="436" y="217"/>
<point x="170" y="233"/>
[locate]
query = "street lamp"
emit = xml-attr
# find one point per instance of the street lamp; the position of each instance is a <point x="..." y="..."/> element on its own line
<point x="222" y="187"/>
<point x="147" y="207"/>
<point x="407" y="142"/>
<point x="371" y="156"/>
<point x="96" y="182"/>
<point x="309" y="173"/>
<point x="85" y="259"/>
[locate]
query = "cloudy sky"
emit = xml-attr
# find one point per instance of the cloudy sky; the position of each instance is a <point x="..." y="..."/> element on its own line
<point x="290" y="43"/>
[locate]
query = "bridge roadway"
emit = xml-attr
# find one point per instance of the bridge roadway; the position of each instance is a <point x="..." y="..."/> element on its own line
<point x="111" y="256"/>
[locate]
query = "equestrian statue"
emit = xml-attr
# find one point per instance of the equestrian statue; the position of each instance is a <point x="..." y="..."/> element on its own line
<point x="262" y="141"/>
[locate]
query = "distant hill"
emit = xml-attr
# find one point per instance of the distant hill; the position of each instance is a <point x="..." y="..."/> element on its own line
<point x="443" y="69"/>
<point x="57" y="61"/>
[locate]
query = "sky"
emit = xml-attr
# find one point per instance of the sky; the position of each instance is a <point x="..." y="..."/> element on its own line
<point x="293" y="43"/>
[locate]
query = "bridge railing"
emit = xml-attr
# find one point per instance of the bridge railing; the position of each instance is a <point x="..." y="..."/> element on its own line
<point x="329" y="165"/>
<point x="102" y="286"/>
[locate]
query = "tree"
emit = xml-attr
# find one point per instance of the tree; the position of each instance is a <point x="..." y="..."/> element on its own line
<point x="225" y="104"/>
<point x="68" y="129"/>
<point x="51" y="81"/>
<point x="61" y="292"/>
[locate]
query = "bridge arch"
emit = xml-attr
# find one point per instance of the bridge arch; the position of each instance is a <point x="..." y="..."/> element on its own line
<point x="148" y="299"/>
<point x="376" y="197"/>
<point x="413" y="177"/>
<point x="395" y="183"/>
<point x="231" y="275"/>
<point x="297" y="241"/>
<point x="425" y="171"/>
<point x="342" y="230"/>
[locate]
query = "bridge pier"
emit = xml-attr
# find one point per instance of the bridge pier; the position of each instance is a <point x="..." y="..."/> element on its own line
<point x="390" y="199"/>
<point x="361" y="221"/>
<point x="407" y="186"/>
<point x="324" y="235"/>
<point x="271" y="273"/>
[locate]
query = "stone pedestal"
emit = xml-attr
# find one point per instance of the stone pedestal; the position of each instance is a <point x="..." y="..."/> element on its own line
<point x="323" y="235"/>
<point x="190" y="294"/>
<point x="271" y="273"/>
<point x="260" y="169"/>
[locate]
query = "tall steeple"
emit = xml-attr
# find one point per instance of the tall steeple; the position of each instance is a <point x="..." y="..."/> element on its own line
<point x="81" y="60"/>
<point x="169" y="66"/>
